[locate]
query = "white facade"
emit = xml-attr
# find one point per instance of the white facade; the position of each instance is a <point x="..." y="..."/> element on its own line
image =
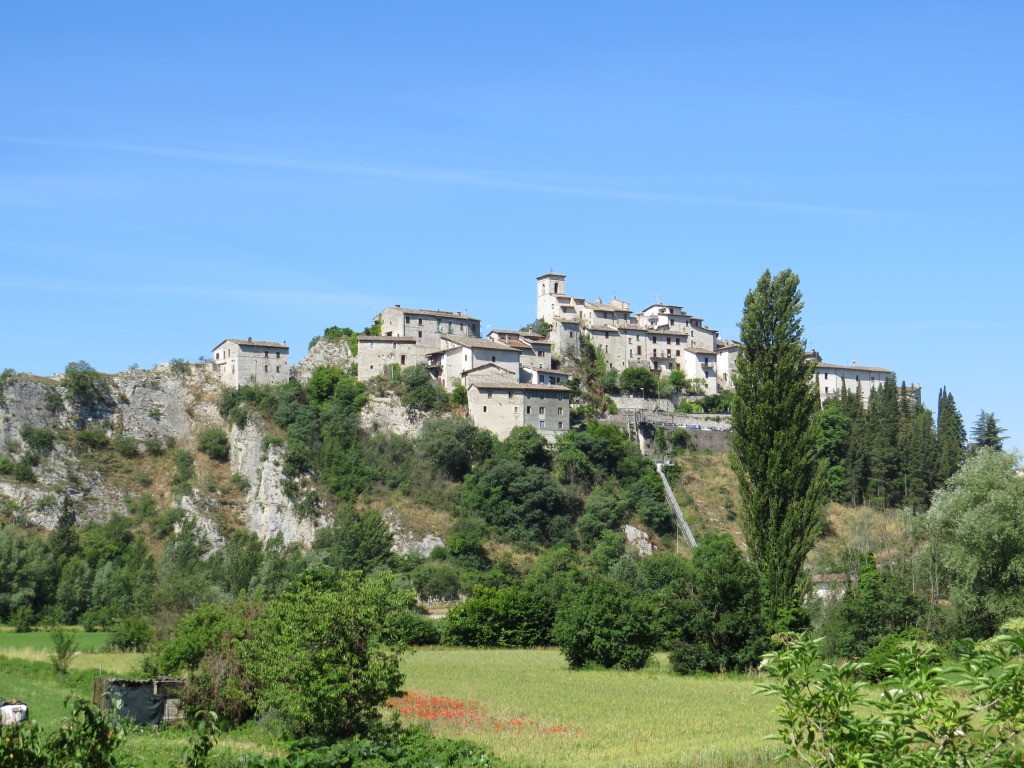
<point x="833" y="379"/>
<point x="463" y="357"/>
<point x="238" y="362"/>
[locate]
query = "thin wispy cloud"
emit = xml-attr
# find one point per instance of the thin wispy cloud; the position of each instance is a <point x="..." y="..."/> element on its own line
<point x="457" y="177"/>
<point x="198" y="291"/>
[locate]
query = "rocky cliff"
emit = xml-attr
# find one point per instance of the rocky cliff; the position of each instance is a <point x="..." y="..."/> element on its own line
<point x="67" y="460"/>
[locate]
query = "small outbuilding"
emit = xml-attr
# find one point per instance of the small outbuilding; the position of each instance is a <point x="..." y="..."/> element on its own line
<point x="143" y="702"/>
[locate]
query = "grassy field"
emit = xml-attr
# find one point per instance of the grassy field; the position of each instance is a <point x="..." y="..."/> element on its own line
<point x="526" y="706"/>
<point x="530" y="709"/>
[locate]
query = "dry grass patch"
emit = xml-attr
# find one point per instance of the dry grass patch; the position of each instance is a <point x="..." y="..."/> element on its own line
<point x="708" y="493"/>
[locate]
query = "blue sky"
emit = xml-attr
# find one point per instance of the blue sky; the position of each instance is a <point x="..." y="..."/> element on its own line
<point x="174" y="174"/>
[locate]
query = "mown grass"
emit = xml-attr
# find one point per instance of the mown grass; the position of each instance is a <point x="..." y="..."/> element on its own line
<point x="533" y="711"/>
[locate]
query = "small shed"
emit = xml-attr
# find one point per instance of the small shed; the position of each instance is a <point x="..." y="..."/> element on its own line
<point x="145" y="702"/>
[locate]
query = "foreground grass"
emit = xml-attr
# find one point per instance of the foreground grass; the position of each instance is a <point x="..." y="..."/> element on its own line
<point x="532" y="710"/>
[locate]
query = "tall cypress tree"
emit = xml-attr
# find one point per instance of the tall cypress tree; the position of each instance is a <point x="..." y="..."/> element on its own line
<point x="952" y="437"/>
<point x="773" y="441"/>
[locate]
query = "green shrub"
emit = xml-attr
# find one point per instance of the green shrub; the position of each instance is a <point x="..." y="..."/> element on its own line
<point x="890" y="646"/>
<point x="23" y="618"/>
<point x="93" y="438"/>
<point x="417" y="629"/>
<point x="214" y="443"/>
<point x="64" y="646"/>
<point x="604" y="624"/>
<point x="508" y="617"/>
<point x="967" y="714"/>
<point x="131" y="633"/>
<point x="39" y="440"/>
<point x="126" y="446"/>
<point x="86" y="386"/>
<point x="154" y="446"/>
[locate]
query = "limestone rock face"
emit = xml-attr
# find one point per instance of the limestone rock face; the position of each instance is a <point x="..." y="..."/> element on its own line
<point x="404" y="542"/>
<point x="268" y="510"/>
<point x="332" y="354"/>
<point x="168" y="403"/>
<point x="388" y="414"/>
<point x="639" y="540"/>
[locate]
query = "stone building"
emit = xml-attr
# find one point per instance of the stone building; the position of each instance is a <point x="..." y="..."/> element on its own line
<point x="408" y="336"/>
<point x="500" y="407"/>
<point x="662" y="338"/>
<point x="238" y="362"/>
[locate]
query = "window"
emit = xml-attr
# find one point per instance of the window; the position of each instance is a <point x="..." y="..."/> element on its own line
<point x="278" y="355"/>
<point x="279" y="369"/>
<point x="419" y="334"/>
<point x="541" y="353"/>
<point x="266" y="354"/>
<point x="559" y="425"/>
<point x="826" y="390"/>
<point x="540" y="411"/>
<point x="677" y="353"/>
<point x="542" y="423"/>
<point x="217" y="356"/>
<point x="541" y="379"/>
<point x="489" y="395"/>
<point x="403" y="359"/>
<point x="528" y="408"/>
<point x="515" y="409"/>
<point x="494" y="359"/>
<point x="266" y="369"/>
<point x="485" y="409"/>
<point x="559" y="411"/>
<point x="420" y="321"/>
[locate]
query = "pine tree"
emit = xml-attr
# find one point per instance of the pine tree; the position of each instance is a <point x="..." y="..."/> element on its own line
<point x="773" y="442"/>
<point x="987" y="433"/>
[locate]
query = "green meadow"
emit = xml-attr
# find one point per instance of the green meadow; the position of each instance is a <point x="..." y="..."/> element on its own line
<point x="530" y="709"/>
<point x="524" y="705"/>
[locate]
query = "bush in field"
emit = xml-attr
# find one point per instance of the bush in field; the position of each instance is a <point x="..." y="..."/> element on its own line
<point x="507" y="617"/>
<point x="967" y="714"/>
<point x="712" y="612"/>
<point x="604" y="624"/>
<point x="325" y="655"/>
<point x="214" y="443"/>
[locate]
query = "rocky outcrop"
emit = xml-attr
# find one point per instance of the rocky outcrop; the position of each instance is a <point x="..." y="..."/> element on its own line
<point x="331" y="354"/>
<point x="389" y="415"/>
<point x="169" y="404"/>
<point x="639" y="540"/>
<point x="404" y="542"/>
<point x="268" y="511"/>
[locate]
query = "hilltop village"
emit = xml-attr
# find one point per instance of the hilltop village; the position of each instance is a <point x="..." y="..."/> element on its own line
<point x="517" y="378"/>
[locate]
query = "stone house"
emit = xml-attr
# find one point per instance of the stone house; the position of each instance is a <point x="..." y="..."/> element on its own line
<point x="461" y="360"/>
<point x="377" y="355"/>
<point x="501" y="407"/>
<point x="238" y="362"/>
<point x="408" y="336"/>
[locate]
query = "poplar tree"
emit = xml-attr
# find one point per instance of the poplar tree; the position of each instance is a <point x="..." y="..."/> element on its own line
<point x="773" y="442"/>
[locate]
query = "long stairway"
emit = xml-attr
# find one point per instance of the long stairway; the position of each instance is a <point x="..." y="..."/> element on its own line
<point x="671" y="497"/>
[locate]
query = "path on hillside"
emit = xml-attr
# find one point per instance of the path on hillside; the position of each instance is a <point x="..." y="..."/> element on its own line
<point x="687" y="533"/>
